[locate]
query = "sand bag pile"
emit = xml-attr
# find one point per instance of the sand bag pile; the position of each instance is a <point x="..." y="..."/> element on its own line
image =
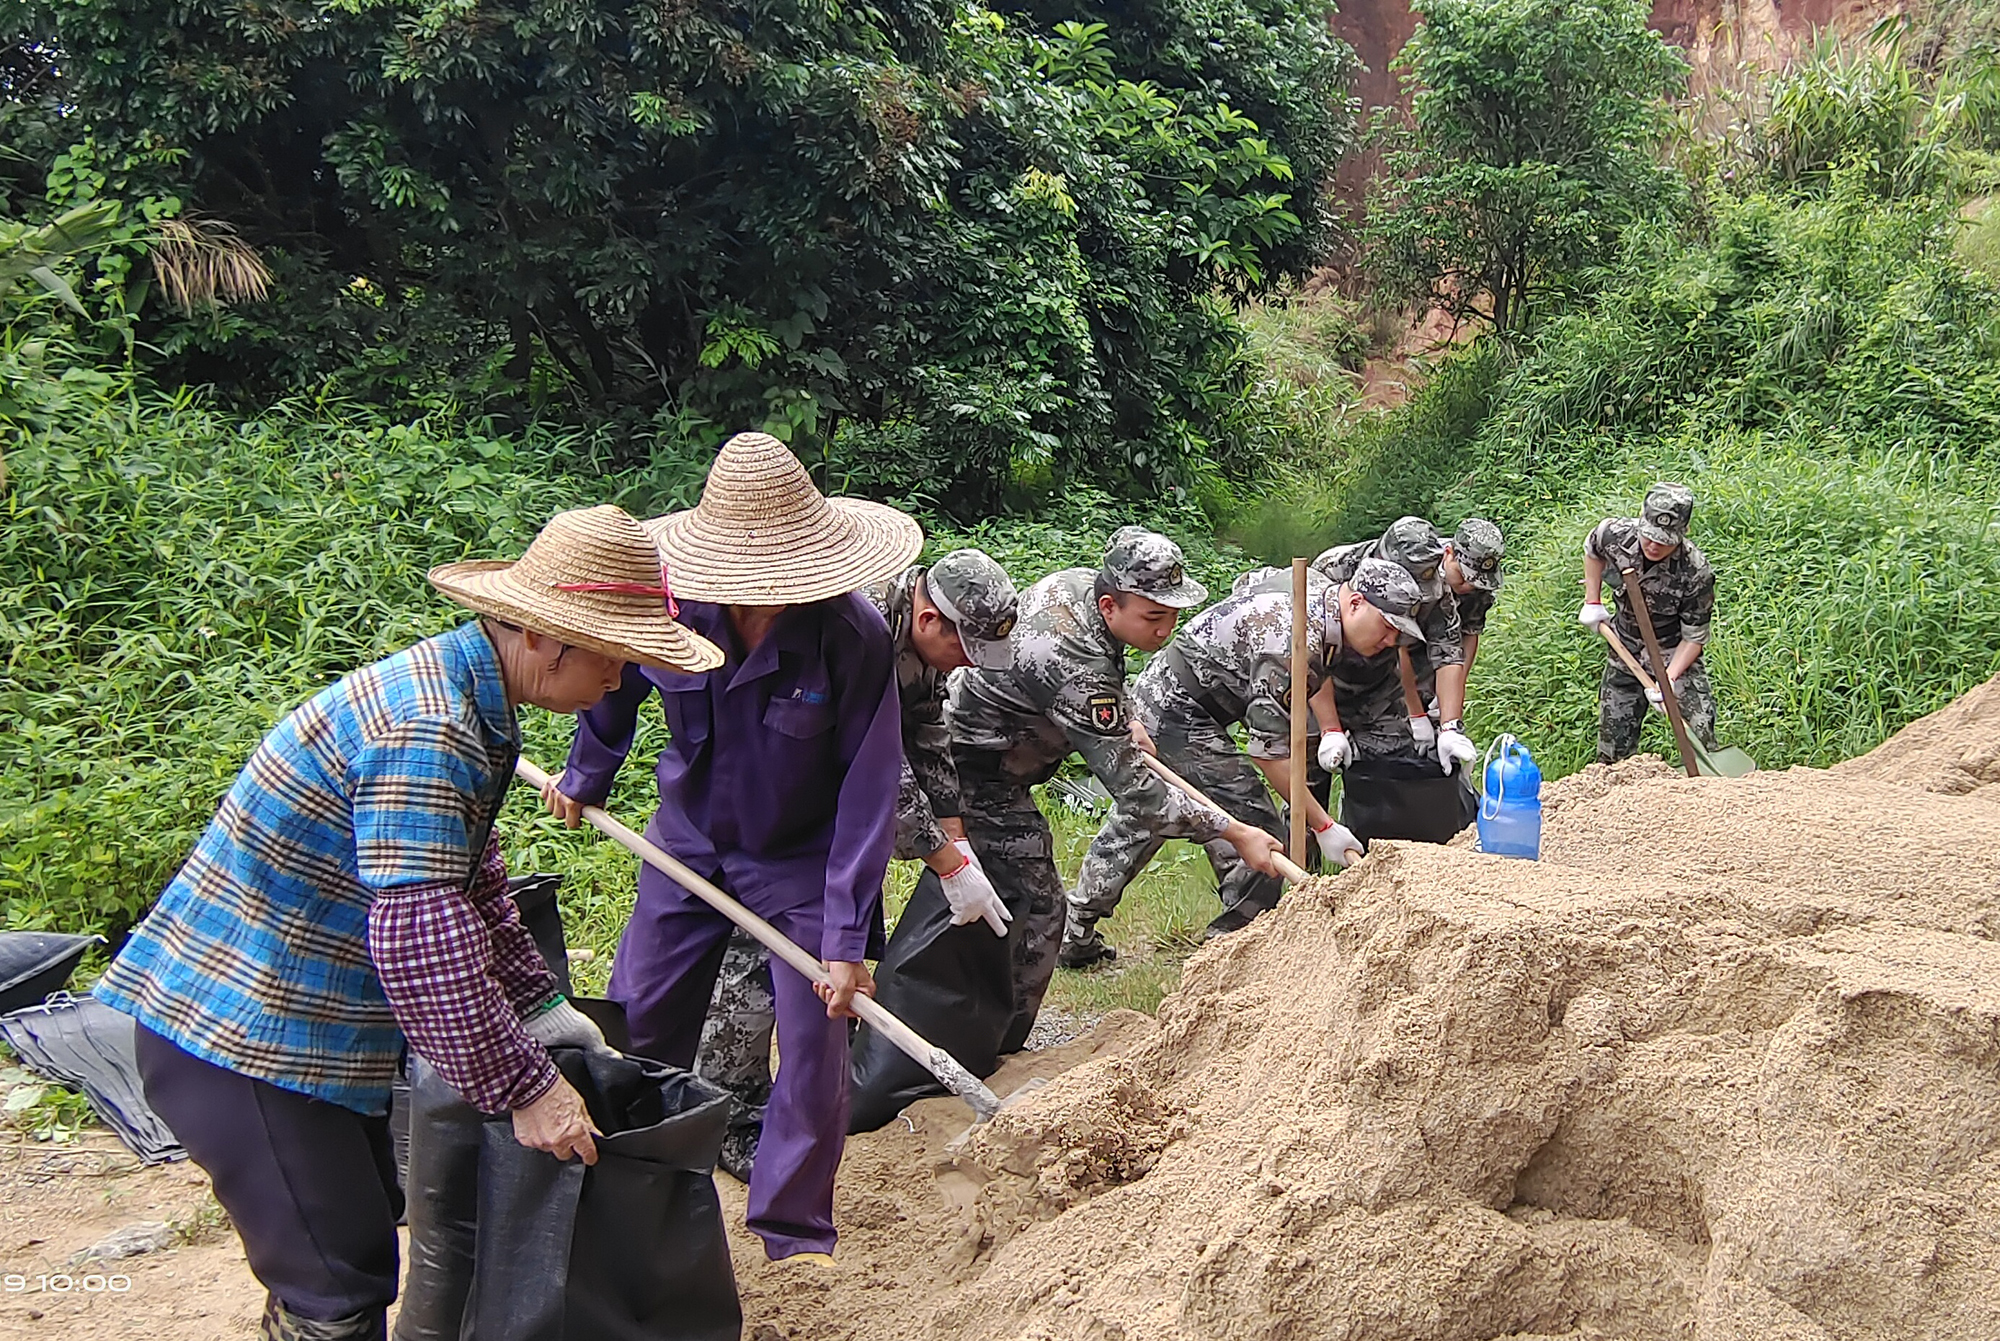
<point x="1727" y="1065"/>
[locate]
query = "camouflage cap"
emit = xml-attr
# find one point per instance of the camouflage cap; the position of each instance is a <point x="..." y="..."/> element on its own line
<point x="977" y="596"/>
<point x="1415" y="543"/>
<point x="1390" y="588"/>
<point x="1150" y="565"/>
<point x="1669" y="509"/>
<point x="1479" y="549"/>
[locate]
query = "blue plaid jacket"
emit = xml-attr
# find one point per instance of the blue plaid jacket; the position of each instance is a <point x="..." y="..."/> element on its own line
<point x="256" y="956"/>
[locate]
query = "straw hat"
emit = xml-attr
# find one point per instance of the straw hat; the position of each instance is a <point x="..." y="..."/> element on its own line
<point x="593" y="579"/>
<point x="763" y="535"/>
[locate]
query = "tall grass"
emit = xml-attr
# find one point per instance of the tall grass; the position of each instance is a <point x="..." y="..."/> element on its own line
<point x="174" y="579"/>
<point x="1853" y="595"/>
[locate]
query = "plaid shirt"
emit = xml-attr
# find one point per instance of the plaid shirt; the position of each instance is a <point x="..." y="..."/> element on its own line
<point x="380" y="790"/>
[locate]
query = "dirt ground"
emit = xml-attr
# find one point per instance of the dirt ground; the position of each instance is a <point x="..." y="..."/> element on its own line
<point x="58" y="1201"/>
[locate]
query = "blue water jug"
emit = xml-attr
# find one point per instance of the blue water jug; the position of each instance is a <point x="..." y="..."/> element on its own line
<point x="1510" y="806"/>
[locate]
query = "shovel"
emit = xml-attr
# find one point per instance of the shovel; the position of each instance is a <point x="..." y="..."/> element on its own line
<point x="1287" y="868"/>
<point x="934" y="1059"/>
<point x="1728" y="762"/>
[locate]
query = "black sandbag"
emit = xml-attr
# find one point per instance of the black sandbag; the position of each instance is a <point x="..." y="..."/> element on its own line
<point x="34" y="964"/>
<point x="541" y="914"/>
<point x="510" y="1244"/>
<point x="650" y="1257"/>
<point x="80" y="1042"/>
<point x="1405" y="798"/>
<point x="952" y="984"/>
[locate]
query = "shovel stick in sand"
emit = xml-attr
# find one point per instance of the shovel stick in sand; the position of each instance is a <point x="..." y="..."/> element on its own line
<point x="932" y="1058"/>
<point x="1288" y="868"/>
<point x="1636" y="598"/>
<point x="1727" y="762"/>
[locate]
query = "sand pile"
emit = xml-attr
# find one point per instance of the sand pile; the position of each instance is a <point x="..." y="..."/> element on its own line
<point x="1955" y="750"/>
<point x="1725" y="1065"/>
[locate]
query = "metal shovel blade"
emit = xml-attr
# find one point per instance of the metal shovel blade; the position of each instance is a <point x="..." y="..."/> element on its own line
<point x="1727" y="762"/>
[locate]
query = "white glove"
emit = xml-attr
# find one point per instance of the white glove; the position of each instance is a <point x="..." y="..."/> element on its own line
<point x="972" y="896"/>
<point x="1455" y="747"/>
<point x="1655" y="697"/>
<point x="563" y="1025"/>
<point x="1336" y="751"/>
<point x="1335" y="841"/>
<point x="1423" y="732"/>
<point x="1593" y="614"/>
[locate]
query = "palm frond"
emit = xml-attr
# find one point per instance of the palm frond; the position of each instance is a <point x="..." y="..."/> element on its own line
<point x="203" y="263"/>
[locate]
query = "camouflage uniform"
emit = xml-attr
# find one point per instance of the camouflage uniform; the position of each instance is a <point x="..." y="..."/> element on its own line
<point x="1680" y="596"/>
<point x="974" y="593"/>
<point x="1370" y="689"/>
<point x="1233" y="663"/>
<point x="1065" y="694"/>
<point x="735" y="1051"/>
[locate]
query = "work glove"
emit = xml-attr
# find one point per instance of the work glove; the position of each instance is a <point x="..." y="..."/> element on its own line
<point x="563" y="1025"/>
<point x="1336" y="751"/>
<point x="1335" y="841"/>
<point x="1423" y="732"/>
<point x="1455" y="747"/>
<point x="1659" y="700"/>
<point x="1593" y="614"/>
<point x="972" y="896"/>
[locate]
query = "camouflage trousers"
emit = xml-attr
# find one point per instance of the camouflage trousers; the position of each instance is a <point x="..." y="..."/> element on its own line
<point x="1622" y="706"/>
<point x="1200" y="749"/>
<point x="735" y="1051"/>
<point x="1018" y="852"/>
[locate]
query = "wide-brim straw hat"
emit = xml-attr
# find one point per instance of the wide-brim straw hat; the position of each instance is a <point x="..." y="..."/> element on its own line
<point x="763" y="535"/>
<point x="591" y="579"/>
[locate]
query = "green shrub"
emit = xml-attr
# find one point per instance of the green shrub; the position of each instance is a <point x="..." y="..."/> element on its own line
<point x="1378" y="467"/>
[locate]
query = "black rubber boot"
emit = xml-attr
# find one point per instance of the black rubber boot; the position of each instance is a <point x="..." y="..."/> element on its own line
<point x="1083" y="951"/>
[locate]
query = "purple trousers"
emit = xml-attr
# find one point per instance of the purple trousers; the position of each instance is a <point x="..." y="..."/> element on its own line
<point x="664" y="976"/>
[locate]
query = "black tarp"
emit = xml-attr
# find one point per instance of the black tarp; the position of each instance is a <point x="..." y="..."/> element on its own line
<point x="953" y="985"/>
<point x="80" y="1042"/>
<point x="510" y="1244"/>
<point x="35" y="963"/>
<point x="1405" y="798"/>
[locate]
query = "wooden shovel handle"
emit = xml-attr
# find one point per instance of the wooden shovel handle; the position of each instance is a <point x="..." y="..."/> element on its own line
<point x="1287" y="868"/>
<point x="878" y="1018"/>
<point x="1636" y="598"/>
<point x="1625" y="655"/>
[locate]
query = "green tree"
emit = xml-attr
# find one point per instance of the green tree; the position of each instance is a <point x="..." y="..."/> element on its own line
<point x="1004" y="250"/>
<point x="1532" y="142"/>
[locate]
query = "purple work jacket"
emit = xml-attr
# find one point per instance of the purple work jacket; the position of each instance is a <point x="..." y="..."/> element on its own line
<point x="779" y="782"/>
